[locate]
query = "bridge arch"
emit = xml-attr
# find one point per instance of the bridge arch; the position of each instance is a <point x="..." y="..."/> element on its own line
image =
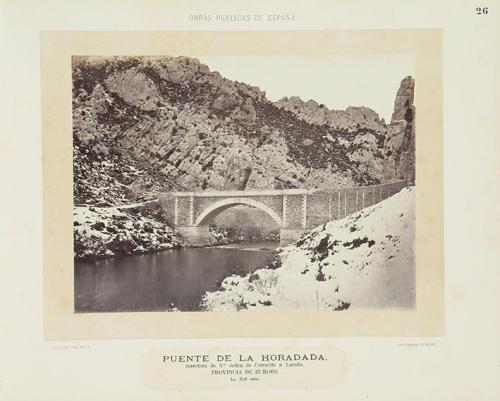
<point x="218" y="207"/>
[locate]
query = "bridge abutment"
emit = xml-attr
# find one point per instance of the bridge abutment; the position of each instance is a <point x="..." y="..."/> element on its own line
<point x="196" y="235"/>
<point x="289" y="235"/>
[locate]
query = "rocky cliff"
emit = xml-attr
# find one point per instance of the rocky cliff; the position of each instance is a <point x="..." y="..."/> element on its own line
<point x="400" y="142"/>
<point x="359" y="129"/>
<point x="143" y="125"/>
<point x="387" y="151"/>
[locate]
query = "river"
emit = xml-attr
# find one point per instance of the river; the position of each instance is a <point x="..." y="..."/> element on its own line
<point x="156" y="282"/>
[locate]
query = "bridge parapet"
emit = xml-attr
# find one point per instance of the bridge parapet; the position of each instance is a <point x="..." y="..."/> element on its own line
<point x="249" y="192"/>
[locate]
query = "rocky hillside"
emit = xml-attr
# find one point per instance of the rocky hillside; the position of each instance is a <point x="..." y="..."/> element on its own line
<point x="142" y="125"/>
<point x="365" y="260"/>
<point x="362" y="131"/>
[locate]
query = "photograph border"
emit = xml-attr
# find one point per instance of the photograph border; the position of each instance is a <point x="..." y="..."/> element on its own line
<point x="60" y="321"/>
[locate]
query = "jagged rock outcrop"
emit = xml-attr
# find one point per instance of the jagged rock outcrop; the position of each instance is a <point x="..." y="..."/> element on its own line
<point x="386" y="151"/>
<point x="246" y="113"/>
<point x="404" y="99"/>
<point x="400" y="142"/>
<point x="143" y="125"/>
<point x="359" y="129"/>
<point x="314" y="113"/>
<point x="239" y="167"/>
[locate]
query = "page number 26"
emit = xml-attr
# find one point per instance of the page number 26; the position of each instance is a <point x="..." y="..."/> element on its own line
<point x="481" y="10"/>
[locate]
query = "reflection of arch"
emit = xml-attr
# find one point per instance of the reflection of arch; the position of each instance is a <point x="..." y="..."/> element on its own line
<point x="218" y="207"/>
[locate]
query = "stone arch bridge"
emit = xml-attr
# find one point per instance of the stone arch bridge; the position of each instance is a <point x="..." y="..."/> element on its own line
<point x="293" y="210"/>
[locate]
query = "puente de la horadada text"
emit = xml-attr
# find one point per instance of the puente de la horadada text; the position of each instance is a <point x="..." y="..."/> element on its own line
<point x="294" y="210"/>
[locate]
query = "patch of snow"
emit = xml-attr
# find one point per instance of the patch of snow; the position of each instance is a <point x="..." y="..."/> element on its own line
<point x="365" y="260"/>
<point x="109" y="231"/>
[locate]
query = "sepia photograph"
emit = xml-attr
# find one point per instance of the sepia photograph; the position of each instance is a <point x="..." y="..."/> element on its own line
<point x="260" y="200"/>
<point x="232" y="183"/>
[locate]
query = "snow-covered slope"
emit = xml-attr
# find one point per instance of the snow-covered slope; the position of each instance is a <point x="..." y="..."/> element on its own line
<point x="106" y="232"/>
<point x="365" y="260"/>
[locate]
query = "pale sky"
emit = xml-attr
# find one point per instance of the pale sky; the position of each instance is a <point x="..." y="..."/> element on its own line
<point x="337" y="81"/>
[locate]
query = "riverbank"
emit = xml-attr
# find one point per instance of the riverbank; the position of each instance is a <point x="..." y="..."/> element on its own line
<point x="365" y="260"/>
<point x="106" y="232"/>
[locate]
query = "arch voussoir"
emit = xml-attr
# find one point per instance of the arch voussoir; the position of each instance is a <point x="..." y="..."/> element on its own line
<point x="219" y="206"/>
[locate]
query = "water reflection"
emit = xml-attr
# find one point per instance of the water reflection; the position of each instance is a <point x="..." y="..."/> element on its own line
<point x="157" y="281"/>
